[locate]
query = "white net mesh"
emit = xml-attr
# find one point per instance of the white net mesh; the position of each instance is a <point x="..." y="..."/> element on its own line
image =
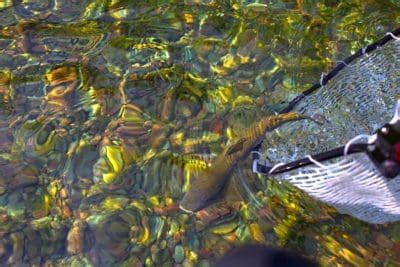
<point x="354" y="186"/>
<point x="360" y="99"/>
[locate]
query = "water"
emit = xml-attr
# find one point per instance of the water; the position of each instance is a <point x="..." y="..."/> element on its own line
<point x="109" y="107"/>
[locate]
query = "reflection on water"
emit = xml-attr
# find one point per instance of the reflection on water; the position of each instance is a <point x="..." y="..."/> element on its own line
<point x="109" y="107"/>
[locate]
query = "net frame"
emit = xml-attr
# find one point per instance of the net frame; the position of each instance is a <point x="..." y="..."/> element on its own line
<point x="325" y="78"/>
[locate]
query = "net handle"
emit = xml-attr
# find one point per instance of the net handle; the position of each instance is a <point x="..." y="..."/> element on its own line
<point x="334" y="153"/>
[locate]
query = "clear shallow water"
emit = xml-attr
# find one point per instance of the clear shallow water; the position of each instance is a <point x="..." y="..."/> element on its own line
<point x="109" y="107"/>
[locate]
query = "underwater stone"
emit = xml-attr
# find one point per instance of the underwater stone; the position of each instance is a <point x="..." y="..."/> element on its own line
<point x="7" y="17"/>
<point x="110" y="234"/>
<point x="194" y="241"/>
<point x="256" y="232"/>
<point x="32" y="243"/>
<point x="75" y="238"/>
<point x="6" y="61"/>
<point x="157" y="226"/>
<point x="224" y="229"/>
<point x="204" y="263"/>
<point x="3" y="215"/>
<point x="18" y="247"/>
<point x="132" y="261"/>
<point x="78" y="261"/>
<point x="179" y="254"/>
<point x="53" y="241"/>
<point x="165" y="258"/>
<point x="16" y="211"/>
<point x="3" y="199"/>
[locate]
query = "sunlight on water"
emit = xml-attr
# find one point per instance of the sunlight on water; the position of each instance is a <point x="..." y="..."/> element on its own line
<point x="110" y="108"/>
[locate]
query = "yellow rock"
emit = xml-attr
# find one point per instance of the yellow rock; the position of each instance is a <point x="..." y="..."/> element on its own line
<point x="257" y="7"/>
<point x="256" y="232"/>
<point x="132" y="113"/>
<point x="337" y="249"/>
<point x="114" y="157"/>
<point x="242" y="100"/>
<point x="231" y="237"/>
<point x="229" y="61"/>
<point x="61" y="75"/>
<point x="53" y="188"/>
<point x="188" y="18"/>
<point x="154" y="200"/>
<point x="292" y="207"/>
<point x="95" y="109"/>
<point x="197" y="79"/>
<point x="169" y="201"/>
<point x="48" y="144"/>
<point x="224" y="229"/>
<point x="173" y="228"/>
<point x="192" y="256"/>
<point x="6" y="3"/>
<point x="177" y="138"/>
<point x="4" y="78"/>
<point x="218" y="70"/>
<point x="225" y="94"/>
<point x="138" y="205"/>
<point x="244" y="59"/>
<point x="236" y="6"/>
<point x="112" y="204"/>
<point x="119" y="14"/>
<point x="146" y="232"/>
<point x="109" y="178"/>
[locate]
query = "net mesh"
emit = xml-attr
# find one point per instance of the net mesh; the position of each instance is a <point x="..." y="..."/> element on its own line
<point x="358" y="100"/>
<point x="353" y="186"/>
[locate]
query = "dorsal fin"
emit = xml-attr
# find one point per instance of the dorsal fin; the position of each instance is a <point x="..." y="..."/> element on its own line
<point x="236" y="146"/>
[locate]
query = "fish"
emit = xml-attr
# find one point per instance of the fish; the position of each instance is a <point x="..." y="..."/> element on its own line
<point x="207" y="185"/>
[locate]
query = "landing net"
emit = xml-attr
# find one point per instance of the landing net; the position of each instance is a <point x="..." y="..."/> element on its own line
<point x="356" y="100"/>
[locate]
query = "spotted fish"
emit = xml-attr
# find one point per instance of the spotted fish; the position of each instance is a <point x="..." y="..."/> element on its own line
<point x="207" y="185"/>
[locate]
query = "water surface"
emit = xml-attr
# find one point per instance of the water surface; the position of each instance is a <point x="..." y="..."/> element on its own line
<point x="109" y="107"/>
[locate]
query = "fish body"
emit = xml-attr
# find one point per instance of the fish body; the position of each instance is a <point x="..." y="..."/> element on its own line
<point x="208" y="184"/>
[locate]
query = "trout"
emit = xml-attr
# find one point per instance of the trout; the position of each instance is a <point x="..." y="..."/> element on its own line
<point x="208" y="184"/>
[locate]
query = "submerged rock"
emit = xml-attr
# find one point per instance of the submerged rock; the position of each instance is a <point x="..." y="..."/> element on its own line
<point x="75" y="238"/>
<point x="179" y="254"/>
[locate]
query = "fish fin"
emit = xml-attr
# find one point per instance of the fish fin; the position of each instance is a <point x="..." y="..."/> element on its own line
<point x="232" y="192"/>
<point x="237" y="146"/>
<point x="247" y="185"/>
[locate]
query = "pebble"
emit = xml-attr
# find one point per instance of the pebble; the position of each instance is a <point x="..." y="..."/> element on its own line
<point x="18" y="246"/>
<point x="179" y="254"/>
<point x="75" y="238"/>
<point x="224" y="229"/>
<point x="204" y="263"/>
<point x="187" y="263"/>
